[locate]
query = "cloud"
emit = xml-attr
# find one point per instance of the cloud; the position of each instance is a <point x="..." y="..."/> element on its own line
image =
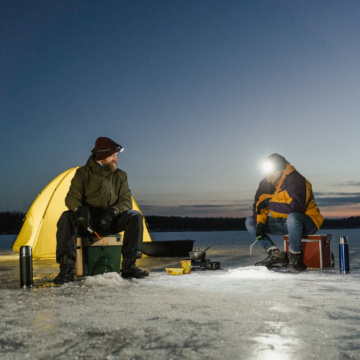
<point x="324" y="200"/>
<point x="335" y="194"/>
<point x="337" y="199"/>
<point x="348" y="183"/>
<point x="213" y="206"/>
<point x="202" y="210"/>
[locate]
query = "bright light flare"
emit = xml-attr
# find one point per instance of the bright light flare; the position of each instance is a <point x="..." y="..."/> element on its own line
<point x="268" y="166"/>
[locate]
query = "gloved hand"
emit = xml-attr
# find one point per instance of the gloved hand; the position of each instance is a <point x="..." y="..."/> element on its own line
<point x="106" y="219"/>
<point x="260" y="231"/>
<point x="83" y="218"/>
<point x="262" y="205"/>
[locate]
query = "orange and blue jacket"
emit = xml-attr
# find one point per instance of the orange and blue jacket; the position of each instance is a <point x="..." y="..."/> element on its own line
<point x="291" y="194"/>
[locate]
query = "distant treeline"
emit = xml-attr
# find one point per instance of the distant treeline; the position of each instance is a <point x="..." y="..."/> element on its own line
<point x="177" y="223"/>
<point x="344" y="223"/>
<point x="11" y="222"/>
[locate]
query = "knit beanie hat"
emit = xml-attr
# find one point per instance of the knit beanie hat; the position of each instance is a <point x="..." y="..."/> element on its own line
<point x="105" y="147"/>
<point x="278" y="161"/>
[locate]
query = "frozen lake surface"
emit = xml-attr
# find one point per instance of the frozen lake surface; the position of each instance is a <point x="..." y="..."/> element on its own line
<point x="239" y="312"/>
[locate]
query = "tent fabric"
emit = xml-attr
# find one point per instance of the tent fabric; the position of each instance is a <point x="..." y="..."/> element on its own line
<point x="39" y="228"/>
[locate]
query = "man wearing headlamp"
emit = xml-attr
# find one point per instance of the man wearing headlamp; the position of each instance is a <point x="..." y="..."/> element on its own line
<point x="288" y="197"/>
<point x="99" y="199"/>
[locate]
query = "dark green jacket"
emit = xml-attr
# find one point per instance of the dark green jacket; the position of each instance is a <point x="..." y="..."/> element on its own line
<point x="97" y="187"/>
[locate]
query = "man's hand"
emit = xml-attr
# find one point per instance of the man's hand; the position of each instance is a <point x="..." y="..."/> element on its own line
<point x="262" y="205"/>
<point x="260" y="231"/>
<point x="106" y="219"/>
<point x="83" y="218"/>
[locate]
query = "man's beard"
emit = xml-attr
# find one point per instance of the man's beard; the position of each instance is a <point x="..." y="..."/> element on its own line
<point x="111" y="166"/>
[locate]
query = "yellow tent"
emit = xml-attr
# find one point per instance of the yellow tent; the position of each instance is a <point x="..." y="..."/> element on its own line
<point x="39" y="228"/>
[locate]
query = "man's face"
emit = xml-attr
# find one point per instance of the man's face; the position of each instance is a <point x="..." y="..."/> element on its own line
<point x="110" y="163"/>
<point x="274" y="176"/>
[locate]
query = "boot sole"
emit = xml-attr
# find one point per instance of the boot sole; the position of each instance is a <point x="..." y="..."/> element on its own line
<point x="133" y="277"/>
<point x="296" y="270"/>
<point x="62" y="282"/>
<point x="272" y="265"/>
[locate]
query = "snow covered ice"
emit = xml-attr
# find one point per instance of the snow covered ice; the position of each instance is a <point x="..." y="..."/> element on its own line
<point x="239" y="312"/>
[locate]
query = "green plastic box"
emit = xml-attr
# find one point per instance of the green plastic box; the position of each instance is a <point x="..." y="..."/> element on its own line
<point x="94" y="257"/>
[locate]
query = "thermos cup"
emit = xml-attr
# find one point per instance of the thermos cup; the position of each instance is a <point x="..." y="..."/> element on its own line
<point x="26" y="267"/>
<point x="344" y="259"/>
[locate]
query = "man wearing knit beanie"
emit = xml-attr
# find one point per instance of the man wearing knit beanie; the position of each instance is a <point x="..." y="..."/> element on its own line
<point x="105" y="147"/>
<point x="288" y="197"/>
<point x="99" y="199"/>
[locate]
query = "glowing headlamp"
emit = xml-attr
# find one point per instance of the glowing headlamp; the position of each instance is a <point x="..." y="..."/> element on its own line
<point x="268" y="166"/>
<point x="116" y="147"/>
<point x="274" y="162"/>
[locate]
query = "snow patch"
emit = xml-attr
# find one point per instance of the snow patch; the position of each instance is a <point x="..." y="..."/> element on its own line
<point x="250" y="272"/>
<point x="109" y="280"/>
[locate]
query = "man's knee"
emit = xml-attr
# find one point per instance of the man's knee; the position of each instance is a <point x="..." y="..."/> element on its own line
<point x="134" y="217"/>
<point x="135" y="214"/>
<point x="66" y="217"/>
<point x="294" y="219"/>
<point x="249" y="223"/>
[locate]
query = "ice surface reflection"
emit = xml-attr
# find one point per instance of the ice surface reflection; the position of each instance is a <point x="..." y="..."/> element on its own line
<point x="239" y="312"/>
<point x="278" y="342"/>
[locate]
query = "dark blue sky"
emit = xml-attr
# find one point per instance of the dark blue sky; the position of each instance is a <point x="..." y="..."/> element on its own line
<point x="198" y="93"/>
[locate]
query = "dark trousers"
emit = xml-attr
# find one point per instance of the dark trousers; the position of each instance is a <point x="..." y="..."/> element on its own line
<point x="130" y="221"/>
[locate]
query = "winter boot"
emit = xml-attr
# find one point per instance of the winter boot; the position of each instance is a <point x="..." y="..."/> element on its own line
<point x="67" y="270"/>
<point x="275" y="258"/>
<point x="130" y="270"/>
<point x="296" y="262"/>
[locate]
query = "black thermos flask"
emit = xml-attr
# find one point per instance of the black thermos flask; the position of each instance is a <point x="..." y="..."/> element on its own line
<point x="26" y="267"/>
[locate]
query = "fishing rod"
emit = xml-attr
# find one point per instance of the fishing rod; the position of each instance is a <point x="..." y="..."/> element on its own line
<point x="91" y="231"/>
